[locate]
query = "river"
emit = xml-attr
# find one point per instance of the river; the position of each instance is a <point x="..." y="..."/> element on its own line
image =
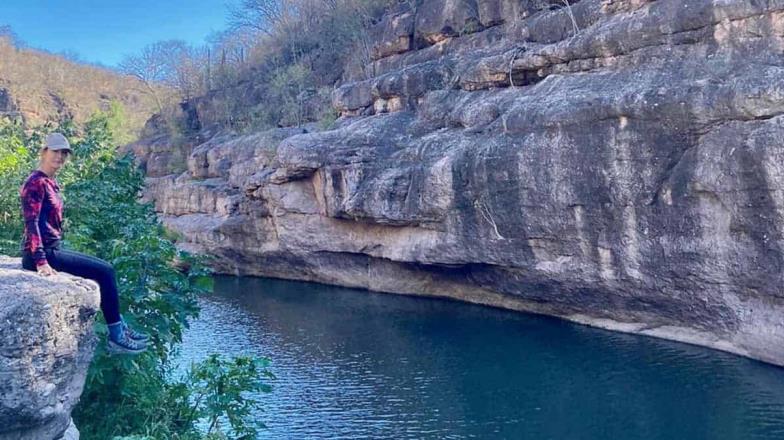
<point x="357" y="364"/>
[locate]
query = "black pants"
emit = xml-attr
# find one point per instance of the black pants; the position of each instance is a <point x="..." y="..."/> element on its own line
<point x="88" y="267"/>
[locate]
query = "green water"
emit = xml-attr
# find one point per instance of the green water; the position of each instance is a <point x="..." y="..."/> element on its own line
<point x="354" y="364"/>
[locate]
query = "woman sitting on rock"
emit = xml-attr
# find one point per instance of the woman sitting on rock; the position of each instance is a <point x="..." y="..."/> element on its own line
<point x="42" y="208"/>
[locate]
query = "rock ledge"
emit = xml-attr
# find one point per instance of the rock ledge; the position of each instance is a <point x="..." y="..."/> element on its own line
<point x="46" y="345"/>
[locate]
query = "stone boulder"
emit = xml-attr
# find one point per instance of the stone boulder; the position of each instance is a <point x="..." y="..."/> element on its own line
<point x="46" y="345"/>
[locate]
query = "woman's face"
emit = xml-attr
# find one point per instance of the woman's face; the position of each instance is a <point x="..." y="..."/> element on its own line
<point x="53" y="160"/>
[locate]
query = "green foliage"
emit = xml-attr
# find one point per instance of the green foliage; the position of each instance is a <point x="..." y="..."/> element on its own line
<point x="117" y="122"/>
<point x="220" y="388"/>
<point x="133" y="395"/>
<point x="17" y="157"/>
<point x="215" y="396"/>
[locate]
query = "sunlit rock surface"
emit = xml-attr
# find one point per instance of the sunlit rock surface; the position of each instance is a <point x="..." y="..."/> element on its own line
<point x="46" y="345"/>
<point x="618" y="163"/>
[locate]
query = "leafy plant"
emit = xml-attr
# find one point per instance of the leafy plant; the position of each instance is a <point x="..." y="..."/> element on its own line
<point x="16" y="161"/>
<point x="219" y="390"/>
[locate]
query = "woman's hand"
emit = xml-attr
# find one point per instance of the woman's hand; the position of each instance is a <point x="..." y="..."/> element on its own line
<point x="46" y="270"/>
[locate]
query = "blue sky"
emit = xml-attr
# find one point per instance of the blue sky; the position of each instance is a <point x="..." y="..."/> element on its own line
<point x="105" y="30"/>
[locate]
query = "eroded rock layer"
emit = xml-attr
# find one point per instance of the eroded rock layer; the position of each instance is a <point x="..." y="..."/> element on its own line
<point x="614" y="162"/>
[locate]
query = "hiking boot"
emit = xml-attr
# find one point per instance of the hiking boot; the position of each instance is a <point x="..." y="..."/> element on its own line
<point x="135" y="335"/>
<point x="125" y="345"/>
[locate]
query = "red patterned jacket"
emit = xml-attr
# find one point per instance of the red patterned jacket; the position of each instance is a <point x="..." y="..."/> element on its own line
<point x="42" y="209"/>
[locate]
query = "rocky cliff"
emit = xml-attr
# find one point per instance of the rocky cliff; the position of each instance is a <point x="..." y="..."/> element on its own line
<point x="46" y="345"/>
<point x="613" y="162"/>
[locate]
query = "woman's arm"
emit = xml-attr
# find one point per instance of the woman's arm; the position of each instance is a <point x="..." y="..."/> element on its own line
<point x="32" y="195"/>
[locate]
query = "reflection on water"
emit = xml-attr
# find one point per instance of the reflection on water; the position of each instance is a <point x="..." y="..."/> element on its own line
<point x="354" y="364"/>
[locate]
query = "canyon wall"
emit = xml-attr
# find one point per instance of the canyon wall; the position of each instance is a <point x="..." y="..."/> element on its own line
<point x="618" y="163"/>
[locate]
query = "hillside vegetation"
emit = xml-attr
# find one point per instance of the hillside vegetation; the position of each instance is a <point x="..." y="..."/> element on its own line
<point x="41" y="88"/>
<point x="276" y="65"/>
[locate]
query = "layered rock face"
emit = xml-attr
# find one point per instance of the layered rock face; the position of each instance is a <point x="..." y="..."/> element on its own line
<point x="46" y="345"/>
<point x="614" y="162"/>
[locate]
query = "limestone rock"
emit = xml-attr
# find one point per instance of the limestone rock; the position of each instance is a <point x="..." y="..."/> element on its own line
<point x="46" y="345"/>
<point x="395" y="34"/>
<point x="159" y="156"/>
<point x="437" y="20"/>
<point x="71" y="433"/>
<point x="614" y="162"/>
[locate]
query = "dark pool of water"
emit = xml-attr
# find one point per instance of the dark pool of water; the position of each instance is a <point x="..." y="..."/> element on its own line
<point x="354" y="364"/>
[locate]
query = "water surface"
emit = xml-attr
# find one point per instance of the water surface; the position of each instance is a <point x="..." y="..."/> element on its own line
<point x="355" y="364"/>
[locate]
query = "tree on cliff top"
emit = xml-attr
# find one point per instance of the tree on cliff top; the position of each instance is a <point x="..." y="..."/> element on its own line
<point x="8" y="34"/>
<point x="171" y="63"/>
<point x="265" y="16"/>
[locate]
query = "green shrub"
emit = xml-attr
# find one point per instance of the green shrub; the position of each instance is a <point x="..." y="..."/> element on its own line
<point x="16" y="162"/>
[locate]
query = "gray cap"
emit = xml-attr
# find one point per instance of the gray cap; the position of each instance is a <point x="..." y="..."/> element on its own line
<point x="57" y="141"/>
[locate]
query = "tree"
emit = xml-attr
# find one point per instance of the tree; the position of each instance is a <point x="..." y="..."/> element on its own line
<point x="172" y="63"/>
<point x="151" y="67"/>
<point x="226" y="54"/>
<point x="189" y="71"/>
<point x="72" y="55"/>
<point x="8" y="35"/>
<point x="264" y="16"/>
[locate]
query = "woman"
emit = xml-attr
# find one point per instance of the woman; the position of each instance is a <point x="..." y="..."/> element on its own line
<point x="42" y="208"/>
